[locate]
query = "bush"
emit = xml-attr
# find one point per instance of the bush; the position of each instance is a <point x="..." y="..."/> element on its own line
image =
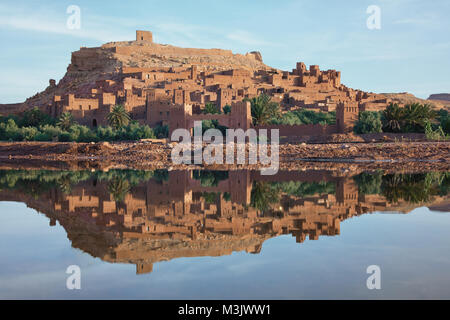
<point x="227" y="109"/>
<point x="34" y="118"/>
<point x="444" y="120"/>
<point x="368" y="122"/>
<point x="37" y="126"/>
<point x="434" y="134"/>
<point x="299" y="117"/>
<point x="161" y="131"/>
<point x="211" y="108"/>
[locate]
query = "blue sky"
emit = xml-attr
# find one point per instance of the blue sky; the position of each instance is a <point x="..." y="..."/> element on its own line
<point x="409" y="53"/>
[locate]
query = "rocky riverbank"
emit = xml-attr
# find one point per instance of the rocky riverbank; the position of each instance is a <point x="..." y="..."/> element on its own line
<point x="156" y="154"/>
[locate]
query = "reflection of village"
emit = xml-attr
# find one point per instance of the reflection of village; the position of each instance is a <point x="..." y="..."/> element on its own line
<point x="160" y="220"/>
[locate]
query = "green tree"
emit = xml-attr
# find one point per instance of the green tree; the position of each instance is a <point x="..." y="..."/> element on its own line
<point x="411" y="118"/>
<point x="416" y="116"/>
<point x="34" y="118"/>
<point x="393" y="117"/>
<point x="65" y="121"/>
<point x="263" y="109"/>
<point x="119" y="187"/>
<point x="227" y="109"/>
<point x="118" y="117"/>
<point x="368" y="122"/>
<point x="262" y="196"/>
<point x="211" y="108"/>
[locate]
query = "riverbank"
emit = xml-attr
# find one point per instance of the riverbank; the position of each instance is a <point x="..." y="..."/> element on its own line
<point x="155" y="154"/>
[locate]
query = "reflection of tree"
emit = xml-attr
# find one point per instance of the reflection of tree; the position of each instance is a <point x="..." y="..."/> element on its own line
<point x="227" y="196"/>
<point x="263" y="195"/>
<point x="65" y="184"/>
<point x="210" y="178"/>
<point x="302" y="188"/>
<point x="210" y="197"/>
<point x="119" y="188"/>
<point x="414" y="188"/>
<point x="369" y="183"/>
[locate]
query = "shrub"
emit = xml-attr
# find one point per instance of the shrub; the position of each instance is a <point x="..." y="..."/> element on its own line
<point x="34" y="118"/>
<point x="368" y="122"/>
<point x="211" y="108"/>
<point x="299" y="117"/>
<point x="444" y="120"/>
<point x="161" y="131"/>
<point x="434" y="134"/>
<point x="29" y="133"/>
<point x="227" y="109"/>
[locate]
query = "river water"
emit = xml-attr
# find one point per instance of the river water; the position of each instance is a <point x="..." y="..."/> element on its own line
<point x="218" y="234"/>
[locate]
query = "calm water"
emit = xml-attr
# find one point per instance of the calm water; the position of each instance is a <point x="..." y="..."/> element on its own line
<point x="212" y="235"/>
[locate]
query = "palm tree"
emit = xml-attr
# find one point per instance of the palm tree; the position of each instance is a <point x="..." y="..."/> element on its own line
<point x="65" y="121"/>
<point x="262" y="196"/>
<point x="118" y="117"/>
<point x="119" y="188"/>
<point x="417" y="115"/>
<point x="393" y="118"/>
<point x="263" y="109"/>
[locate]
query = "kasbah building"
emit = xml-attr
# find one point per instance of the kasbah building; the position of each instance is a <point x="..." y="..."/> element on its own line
<point x="166" y="85"/>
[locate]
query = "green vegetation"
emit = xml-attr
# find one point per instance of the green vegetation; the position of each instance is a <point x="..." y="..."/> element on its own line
<point x="410" y="118"/>
<point x="210" y="197"/>
<point x="227" y="109"/>
<point x="39" y="182"/>
<point x="161" y="131"/>
<point x="213" y="124"/>
<point x="211" y="108"/>
<point x="434" y="134"/>
<point x="118" y="117"/>
<point x="263" y="195"/>
<point x="303" y="189"/>
<point x="414" y="188"/>
<point x="263" y="109"/>
<point x="210" y="178"/>
<point x="35" y="125"/>
<point x="369" y="183"/>
<point x="368" y="122"/>
<point x="444" y="120"/>
<point x="65" y="121"/>
<point x="303" y="116"/>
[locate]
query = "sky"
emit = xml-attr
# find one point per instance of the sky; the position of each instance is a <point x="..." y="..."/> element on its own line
<point x="408" y="53"/>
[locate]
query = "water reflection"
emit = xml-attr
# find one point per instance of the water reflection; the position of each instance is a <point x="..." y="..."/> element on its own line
<point x="143" y="217"/>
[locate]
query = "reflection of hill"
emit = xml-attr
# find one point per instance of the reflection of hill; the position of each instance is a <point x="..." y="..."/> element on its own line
<point x="146" y="217"/>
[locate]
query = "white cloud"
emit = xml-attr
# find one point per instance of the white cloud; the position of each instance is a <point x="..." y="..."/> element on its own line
<point x="22" y="19"/>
